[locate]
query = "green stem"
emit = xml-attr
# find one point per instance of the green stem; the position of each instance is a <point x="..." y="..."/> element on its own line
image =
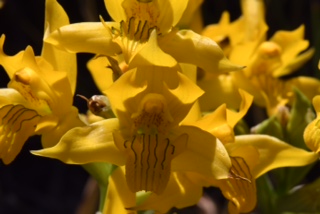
<point x="266" y="195"/>
<point x="101" y="172"/>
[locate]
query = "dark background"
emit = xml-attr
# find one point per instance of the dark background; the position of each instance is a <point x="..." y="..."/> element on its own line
<point x="34" y="185"/>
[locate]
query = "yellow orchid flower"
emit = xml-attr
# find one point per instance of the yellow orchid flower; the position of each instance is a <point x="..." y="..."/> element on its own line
<point x="266" y="61"/>
<point x="131" y="31"/>
<point x="251" y="156"/>
<point x="39" y="97"/>
<point x="183" y="189"/>
<point x="311" y="132"/>
<point x="149" y="102"/>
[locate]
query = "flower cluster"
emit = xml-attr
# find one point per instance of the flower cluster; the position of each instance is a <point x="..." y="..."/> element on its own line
<point x="170" y="120"/>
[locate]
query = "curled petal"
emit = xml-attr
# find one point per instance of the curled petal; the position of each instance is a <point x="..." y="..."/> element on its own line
<point x="234" y="117"/>
<point x="292" y="43"/>
<point x="311" y="133"/>
<point x="180" y="192"/>
<point x="225" y="86"/>
<point x="99" y="67"/>
<point x="218" y="32"/>
<point x="273" y="153"/>
<point x="115" y="10"/>
<point x="240" y="189"/>
<point x="19" y="61"/>
<point x="93" y="143"/>
<point x="56" y="17"/>
<point x="206" y="54"/>
<point x="204" y="155"/>
<point x="90" y="37"/>
<point x="151" y="55"/>
<point x="16" y="126"/>
<point x="55" y="128"/>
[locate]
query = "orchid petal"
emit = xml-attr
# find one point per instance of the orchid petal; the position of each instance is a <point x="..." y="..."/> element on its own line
<point x="93" y="143"/>
<point x="56" y="17"/>
<point x="218" y="32"/>
<point x="309" y="86"/>
<point x="119" y="198"/>
<point x="204" y="155"/>
<point x="91" y="37"/>
<point x="16" y="126"/>
<point x="235" y="117"/>
<point x="98" y="67"/>
<point x="180" y="192"/>
<point x="273" y="153"/>
<point x="115" y="10"/>
<point x="151" y="54"/>
<point x="206" y="54"/>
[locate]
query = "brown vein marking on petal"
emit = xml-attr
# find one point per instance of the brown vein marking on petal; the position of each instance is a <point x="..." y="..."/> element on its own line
<point x="17" y="123"/>
<point x="240" y="188"/>
<point x="148" y="164"/>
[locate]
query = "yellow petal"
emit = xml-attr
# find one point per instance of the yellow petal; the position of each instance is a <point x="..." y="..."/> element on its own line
<point x="294" y="64"/>
<point x="240" y="190"/>
<point x="12" y="96"/>
<point x="204" y="155"/>
<point x="14" y="63"/>
<point x="192" y="17"/>
<point x="292" y="43"/>
<point x="309" y="86"/>
<point x="311" y="133"/>
<point x="171" y="8"/>
<point x="150" y="54"/>
<point x="206" y="54"/>
<point x="124" y="88"/>
<point x="311" y="136"/>
<point x="119" y="198"/>
<point x="218" y="32"/>
<point x="93" y="143"/>
<point x="273" y="153"/>
<point x="181" y="192"/>
<point x="253" y="15"/>
<point x="51" y="137"/>
<point x="16" y="126"/>
<point x="115" y="10"/>
<point x="235" y="117"/>
<point x="161" y="14"/>
<point x="147" y="150"/>
<point x="224" y="86"/>
<point x="42" y="88"/>
<point x="247" y="32"/>
<point x="91" y="37"/>
<point x="56" y="17"/>
<point x="182" y="97"/>
<point x="98" y="67"/>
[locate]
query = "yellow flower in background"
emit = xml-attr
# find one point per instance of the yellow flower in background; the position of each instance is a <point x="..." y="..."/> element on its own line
<point x="266" y="62"/>
<point x="311" y="133"/>
<point x="39" y="96"/>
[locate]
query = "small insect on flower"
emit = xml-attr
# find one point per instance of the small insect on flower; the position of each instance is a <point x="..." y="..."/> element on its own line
<point x="99" y="105"/>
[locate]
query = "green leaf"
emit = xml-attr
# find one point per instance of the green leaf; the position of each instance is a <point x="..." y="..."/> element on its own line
<point x="304" y="200"/>
<point x="298" y="119"/>
<point x="241" y="128"/>
<point x="270" y="126"/>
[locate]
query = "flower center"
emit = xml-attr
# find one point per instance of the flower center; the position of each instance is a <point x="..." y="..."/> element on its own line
<point x="150" y="149"/>
<point x="142" y="17"/>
